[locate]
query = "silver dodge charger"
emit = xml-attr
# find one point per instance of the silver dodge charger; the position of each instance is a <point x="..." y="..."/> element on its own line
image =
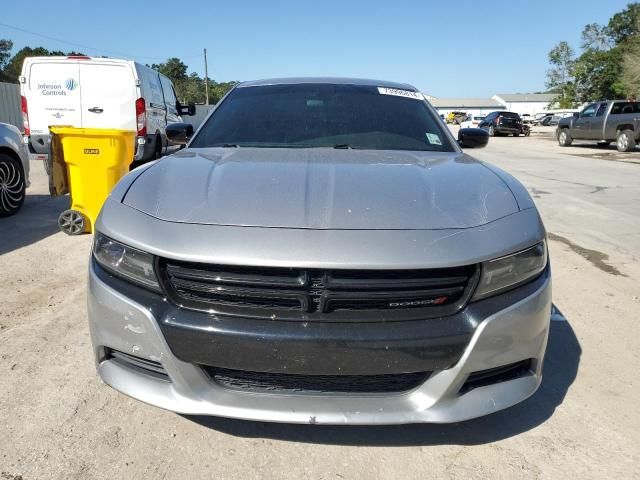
<point x="322" y="251"/>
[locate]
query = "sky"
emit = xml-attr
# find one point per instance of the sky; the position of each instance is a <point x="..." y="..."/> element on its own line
<point x="446" y="48"/>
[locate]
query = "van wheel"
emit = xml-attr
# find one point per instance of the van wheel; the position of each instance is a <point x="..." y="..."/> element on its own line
<point x="12" y="185"/>
<point x="626" y="142"/>
<point x="564" y="138"/>
<point x="492" y="132"/>
<point x="158" y="148"/>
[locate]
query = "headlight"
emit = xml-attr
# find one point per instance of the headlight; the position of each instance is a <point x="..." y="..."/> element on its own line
<point x="125" y="262"/>
<point x="508" y="272"/>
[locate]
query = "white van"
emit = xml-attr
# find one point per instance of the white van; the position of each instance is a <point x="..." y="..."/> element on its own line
<point x="89" y="92"/>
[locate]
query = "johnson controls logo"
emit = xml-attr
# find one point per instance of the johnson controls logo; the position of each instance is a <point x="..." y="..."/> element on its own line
<point x="70" y="84"/>
<point x="56" y="88"/>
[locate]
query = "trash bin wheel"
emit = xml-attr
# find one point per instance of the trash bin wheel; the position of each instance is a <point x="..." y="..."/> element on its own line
<point x="71" y="222"/>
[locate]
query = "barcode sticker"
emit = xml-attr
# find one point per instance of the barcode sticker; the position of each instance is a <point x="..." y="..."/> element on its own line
<point x="400" y="93"/>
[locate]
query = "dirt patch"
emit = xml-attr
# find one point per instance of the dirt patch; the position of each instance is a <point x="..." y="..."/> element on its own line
<point x="598" y="259"/>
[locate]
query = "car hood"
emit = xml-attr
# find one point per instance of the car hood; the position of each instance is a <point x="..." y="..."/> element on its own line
<point x="322" y="189"/>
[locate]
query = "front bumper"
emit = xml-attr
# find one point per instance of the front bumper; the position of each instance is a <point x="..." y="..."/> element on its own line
<point x="515" y="331"/>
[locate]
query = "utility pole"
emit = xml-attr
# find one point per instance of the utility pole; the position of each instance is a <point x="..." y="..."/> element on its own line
<point x="206" y="78"/>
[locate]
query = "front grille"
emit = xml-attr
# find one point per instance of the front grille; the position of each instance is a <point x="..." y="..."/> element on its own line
<point x="314" y="294"/>
<point x="287" y="383"/>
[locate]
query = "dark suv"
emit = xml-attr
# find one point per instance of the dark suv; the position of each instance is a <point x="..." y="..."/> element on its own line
<point x="498" y="123"/>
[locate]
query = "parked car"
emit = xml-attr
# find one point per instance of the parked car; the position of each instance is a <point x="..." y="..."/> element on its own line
<point x="319" y="253"/>
<point x="88" y="92"/>
<point x="502" y="123"/>
<point x="549" y="120"/>
<point x="14" y="170"/>
<point x="456" y="117"/>
<point x="604" y="122"/>
<point x="472" y="121"/>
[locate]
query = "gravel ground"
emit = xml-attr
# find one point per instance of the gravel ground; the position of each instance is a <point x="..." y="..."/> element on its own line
<point x="57" y="419"/>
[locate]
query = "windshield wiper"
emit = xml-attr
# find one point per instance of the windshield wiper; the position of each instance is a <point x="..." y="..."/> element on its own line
<point x="230" y="145"/>
<point x="343" y="146"/>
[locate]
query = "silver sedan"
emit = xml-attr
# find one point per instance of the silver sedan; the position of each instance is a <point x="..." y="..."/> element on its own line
<point x="321" y="252"/>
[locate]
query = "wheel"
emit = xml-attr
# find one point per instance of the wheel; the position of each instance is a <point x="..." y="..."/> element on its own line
<point x="626" y="141"/>
<point x="71" y="222"/>
<point x="564" y="138"/>
<point x="492" y="132"/>
<point x="158" y="148"/>
<point x="45" y="164"/>
<point x="12" y="185"/>
<point x="603" y="144"/>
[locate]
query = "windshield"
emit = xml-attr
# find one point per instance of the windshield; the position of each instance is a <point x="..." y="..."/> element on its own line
<point x="323" y="115"/>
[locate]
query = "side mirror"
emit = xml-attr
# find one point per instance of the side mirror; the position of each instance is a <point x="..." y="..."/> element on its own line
<point x="576" y="115"/>
<point x="186" y="110"/>
<point x="473" y="138"/>
<point x="179" y="133"/>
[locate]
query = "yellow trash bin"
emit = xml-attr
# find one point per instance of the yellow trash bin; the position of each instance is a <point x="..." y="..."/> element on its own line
<point x="87" y="163"/>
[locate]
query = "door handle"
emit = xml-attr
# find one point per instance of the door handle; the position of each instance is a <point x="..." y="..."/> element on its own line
<point x="96" y="110"/>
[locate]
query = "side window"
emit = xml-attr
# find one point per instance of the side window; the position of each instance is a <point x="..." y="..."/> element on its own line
<point x="589" y="110"/>
<point x="628" y="108"/>
<point x="617" y="108"/>
<point x="601" y="109"/>
<point x="169" y="95"/>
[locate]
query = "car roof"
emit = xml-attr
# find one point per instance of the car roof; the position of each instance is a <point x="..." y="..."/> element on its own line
<point x="328" y="80"/>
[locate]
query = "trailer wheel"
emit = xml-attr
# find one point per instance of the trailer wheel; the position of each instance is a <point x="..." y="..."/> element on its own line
<point x="71" y="222"/>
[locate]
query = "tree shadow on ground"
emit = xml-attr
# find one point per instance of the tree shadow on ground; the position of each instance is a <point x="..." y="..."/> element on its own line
<point x="560" y="370"/>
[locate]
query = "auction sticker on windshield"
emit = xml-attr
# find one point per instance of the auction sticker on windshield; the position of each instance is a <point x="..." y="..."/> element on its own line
<point x="400" y="93"/>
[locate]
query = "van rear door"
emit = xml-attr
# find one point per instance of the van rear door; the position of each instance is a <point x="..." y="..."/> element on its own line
<point x="108" y="95"/>
<point x="53" y="95"/>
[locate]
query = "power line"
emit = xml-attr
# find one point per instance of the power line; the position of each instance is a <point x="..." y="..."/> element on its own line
<point x="86" y="46"/>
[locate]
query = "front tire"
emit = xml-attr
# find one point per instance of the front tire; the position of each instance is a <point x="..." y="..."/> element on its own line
<point x="626" y="142"/>
<point x="12" y="185"/>
<point x="492" y="131"/>
<point x="564" y="138"/>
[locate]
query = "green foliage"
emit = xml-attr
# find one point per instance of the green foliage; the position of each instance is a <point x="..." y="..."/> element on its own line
<point x="631" y="68"/>
<point x="598" y="75"/>
<point x="5" y="52"/>
<point x="624" y="25"/>
<point x="596" y="37"/>
<point x="608" y="66"/>
<point x="190" y="88"/>
<point x="173" y="68"/>
<point x="560" y="77"/>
